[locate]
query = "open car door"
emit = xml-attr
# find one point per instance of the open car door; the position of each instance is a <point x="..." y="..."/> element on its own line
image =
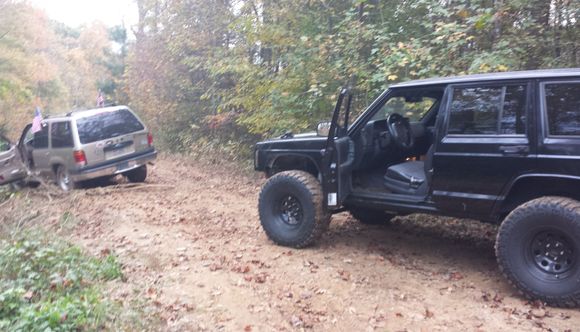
<point x="25" y="146"/>
<point x="11" y="166"/>
<point x="338" y="155"/>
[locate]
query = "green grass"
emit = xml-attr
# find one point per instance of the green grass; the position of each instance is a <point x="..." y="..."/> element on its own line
<point x="5" y="193"/>
<point x="50" y="285"/>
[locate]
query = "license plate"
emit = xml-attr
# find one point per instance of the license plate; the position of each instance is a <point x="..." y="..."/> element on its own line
<point x="122" y="166"/>
<point x="119" y="152"/>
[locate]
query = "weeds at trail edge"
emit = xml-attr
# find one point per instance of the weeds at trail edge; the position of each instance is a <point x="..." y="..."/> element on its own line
<point x="49" y="285"/>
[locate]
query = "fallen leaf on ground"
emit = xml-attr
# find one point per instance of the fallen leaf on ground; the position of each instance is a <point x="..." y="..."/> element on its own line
<point x="344" y="275"/>
<point x="261" y="278"/>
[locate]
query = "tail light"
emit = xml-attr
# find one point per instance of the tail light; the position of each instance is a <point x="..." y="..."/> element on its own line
<point x="149" y="139"/>
<point x="80" y="158"/>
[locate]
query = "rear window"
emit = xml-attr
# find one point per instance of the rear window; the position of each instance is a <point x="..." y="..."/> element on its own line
<point x="40" y="140"/>
<point x="61" y="135"/>
<point x="107" y="125"/>
<point x="563" y="106"/>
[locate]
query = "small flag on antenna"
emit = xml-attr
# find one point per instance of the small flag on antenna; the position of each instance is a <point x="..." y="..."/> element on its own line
<point x="37" y="121"/>
<point x="100" y="100"/>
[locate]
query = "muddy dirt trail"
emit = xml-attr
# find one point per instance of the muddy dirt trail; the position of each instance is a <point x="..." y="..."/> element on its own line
<point x="194" y="255"/>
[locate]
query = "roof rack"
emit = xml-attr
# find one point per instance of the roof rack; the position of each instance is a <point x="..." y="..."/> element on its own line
<point x="89" y="109"/>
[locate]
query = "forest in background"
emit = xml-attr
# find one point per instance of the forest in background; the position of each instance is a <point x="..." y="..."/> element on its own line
<point x="48" y="64"/>
<point x="221" y="74"/>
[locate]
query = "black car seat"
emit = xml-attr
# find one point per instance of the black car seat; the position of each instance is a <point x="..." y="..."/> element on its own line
<point x="411" y="177"/>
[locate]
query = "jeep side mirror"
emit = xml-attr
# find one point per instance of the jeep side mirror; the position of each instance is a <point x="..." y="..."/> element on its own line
<point x="323" y="128"/>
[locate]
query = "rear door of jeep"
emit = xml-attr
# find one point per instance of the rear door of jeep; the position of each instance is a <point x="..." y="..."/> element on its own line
<point x="484" y="139"/>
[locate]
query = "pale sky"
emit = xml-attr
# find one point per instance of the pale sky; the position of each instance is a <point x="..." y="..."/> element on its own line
<point x="77" y="12"/>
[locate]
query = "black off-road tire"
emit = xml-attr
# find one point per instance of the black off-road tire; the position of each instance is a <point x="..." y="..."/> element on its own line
<point x="63" y="179"/>
<point x="370" y="216"/>
<point x="538" y="250"/>
<point x="137" y="175"/>
<point x="33" y="184"/>
<point x="291" y="209"/>
<point x="17" y="185"/>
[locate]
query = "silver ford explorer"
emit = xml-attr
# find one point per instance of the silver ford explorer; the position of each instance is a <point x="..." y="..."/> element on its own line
<point x="89" y="144"/>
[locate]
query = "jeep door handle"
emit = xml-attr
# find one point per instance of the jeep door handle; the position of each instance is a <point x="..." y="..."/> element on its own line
<point x="514" y="149"/>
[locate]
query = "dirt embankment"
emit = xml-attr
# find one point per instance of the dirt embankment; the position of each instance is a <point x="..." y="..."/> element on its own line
<point x="195" y="256"/>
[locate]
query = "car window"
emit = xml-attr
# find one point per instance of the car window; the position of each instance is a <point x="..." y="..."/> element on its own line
<point x="107" y="125"/>
<point x="498" y="110"/>
<point x="563" y="108"/>
<point x="40" y="140"/>
<point x="414" y="109"/>
<point x="61" y="135"/>
<point x="29" y="136"/>
<point x="4" y="144"/>
<point x="513" y="119"/>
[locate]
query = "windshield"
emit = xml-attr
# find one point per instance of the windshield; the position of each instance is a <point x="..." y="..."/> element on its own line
<point x="107" y="125"/>
<point x="412" y="108"/>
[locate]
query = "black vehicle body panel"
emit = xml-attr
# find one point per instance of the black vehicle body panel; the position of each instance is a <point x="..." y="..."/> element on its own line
<point x="268" y="152"/>
<point x="474" y="176"/>
<point x="470" y="171"/>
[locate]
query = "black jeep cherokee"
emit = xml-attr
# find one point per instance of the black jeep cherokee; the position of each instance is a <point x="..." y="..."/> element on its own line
<point x="501" y="148"/>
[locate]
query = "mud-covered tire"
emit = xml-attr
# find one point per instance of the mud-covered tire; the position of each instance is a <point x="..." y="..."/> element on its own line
<point x="370" y="216"/>
<point x="63" y="179"/>
<point x="137" y="175"/>
<point x="16" y="185"/>
<point x="291" y="209"/>
<point x="538" y="250"/>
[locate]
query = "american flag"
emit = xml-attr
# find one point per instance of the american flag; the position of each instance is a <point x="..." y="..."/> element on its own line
<point x="37" y="121"/>
<point x="100" y="100"/>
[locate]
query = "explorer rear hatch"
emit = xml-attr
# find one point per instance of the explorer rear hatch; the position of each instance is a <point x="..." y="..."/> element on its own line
<point x="111" y="135"/>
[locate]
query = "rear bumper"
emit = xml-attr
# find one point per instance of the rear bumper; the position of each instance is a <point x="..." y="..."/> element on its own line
<point x="115" y="167"/>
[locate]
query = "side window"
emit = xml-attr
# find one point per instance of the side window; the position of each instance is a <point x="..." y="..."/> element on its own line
<point x="563" y="108"/>
<point x="41" y="138"/>
<point x="475" y="111"/>
<point x="61" y="135"/>
<point x="28" y="137"/>
<point x="513" y="120"/>
<point x="496" y="110"/>
<point x="4" y="144"/>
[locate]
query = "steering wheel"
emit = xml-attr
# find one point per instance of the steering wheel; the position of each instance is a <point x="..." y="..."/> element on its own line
<point x="400" y="130"/>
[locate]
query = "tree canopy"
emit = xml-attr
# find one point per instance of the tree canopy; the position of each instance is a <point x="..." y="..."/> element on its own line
<point x="233" y="68"/>
<point x="231" y="71"/>
<point x="45" y="63"/>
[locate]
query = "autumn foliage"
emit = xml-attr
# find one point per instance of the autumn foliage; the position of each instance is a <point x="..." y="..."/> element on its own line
<point x="229" y="72"/>
<point x="261" y="67"/>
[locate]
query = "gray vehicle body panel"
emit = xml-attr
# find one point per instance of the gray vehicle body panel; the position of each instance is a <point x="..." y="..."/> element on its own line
<point x="11" y="167"/>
